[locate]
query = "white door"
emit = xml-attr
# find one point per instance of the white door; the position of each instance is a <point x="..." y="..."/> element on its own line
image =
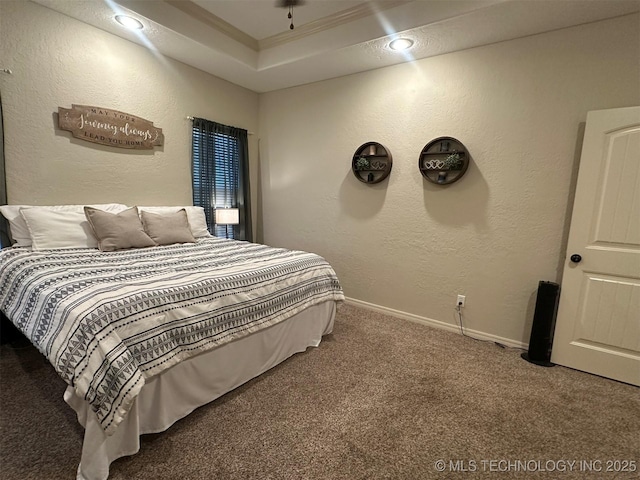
<point x="598" y="324"/>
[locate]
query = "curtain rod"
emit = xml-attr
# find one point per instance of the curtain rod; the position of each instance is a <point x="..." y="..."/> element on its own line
<point x="189" y="117"/>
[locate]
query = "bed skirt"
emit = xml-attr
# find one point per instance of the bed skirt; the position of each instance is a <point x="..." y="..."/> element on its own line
<point x="172" y="395"/>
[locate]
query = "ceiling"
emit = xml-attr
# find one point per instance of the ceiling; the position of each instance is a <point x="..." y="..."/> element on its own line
<point x="249" y="42"/>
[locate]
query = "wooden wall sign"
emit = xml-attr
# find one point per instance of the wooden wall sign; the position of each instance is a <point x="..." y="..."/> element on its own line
<point x="109" y="127"/>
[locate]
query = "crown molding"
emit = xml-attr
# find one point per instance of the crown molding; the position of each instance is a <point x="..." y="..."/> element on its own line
<point x="346" y="16"/>
<point x="205" y="16"/>
<point x="352" y="14"/>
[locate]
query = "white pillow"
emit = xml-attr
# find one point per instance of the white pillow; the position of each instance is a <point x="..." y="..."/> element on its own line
<point x="59" y="226"/>
<point x="17" y="226"/>
<point x="195" y="216"/>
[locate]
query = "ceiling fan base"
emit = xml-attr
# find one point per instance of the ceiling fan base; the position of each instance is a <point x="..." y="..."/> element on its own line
<point x="289" y="3"/>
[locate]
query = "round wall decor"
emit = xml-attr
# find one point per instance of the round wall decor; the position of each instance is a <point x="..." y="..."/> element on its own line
<point x="371" y="163"/>
<point x="443" y="160"/>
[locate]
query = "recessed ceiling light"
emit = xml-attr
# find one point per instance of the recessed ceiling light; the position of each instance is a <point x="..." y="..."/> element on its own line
<point x="400" y="44"/>
<point x="129" y="22"/>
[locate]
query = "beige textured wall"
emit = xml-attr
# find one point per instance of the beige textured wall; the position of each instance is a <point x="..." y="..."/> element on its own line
<point x="57" y="61"/>
<point x="408" y="245"/>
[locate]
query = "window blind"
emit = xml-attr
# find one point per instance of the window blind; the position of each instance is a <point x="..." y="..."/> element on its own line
<point x="219" y="161"/>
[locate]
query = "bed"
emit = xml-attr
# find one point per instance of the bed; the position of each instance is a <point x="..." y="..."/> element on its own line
<point x="143" y="336"/>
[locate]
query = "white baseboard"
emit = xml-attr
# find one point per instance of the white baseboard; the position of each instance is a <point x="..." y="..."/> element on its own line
<point x="436" y="323"/>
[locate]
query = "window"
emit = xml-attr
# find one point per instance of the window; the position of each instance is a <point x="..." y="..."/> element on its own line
<point x="221" y="175"/>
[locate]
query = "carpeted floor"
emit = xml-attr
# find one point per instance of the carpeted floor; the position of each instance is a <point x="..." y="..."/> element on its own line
<point x="381" y="398"/>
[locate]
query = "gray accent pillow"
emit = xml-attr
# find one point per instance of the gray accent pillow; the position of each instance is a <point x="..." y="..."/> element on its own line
<point x="117" y="231"/>
<point x="168" y="228"/>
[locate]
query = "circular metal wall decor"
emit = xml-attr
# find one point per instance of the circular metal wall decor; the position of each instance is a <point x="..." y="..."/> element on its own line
<point x="371" y="163"/>
<point x="443" y="160"/>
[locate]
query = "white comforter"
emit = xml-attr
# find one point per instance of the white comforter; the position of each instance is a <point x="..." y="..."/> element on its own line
<point x="108" y="321"/>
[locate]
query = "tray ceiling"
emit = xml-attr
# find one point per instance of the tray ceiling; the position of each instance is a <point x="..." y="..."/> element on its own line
<point x="249" y="43"/>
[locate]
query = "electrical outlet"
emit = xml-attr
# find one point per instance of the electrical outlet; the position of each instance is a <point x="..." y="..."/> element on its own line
<point x="460" y="301"/>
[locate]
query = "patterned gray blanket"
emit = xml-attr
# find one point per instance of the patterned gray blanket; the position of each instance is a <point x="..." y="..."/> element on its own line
<point x="108" y="321"/>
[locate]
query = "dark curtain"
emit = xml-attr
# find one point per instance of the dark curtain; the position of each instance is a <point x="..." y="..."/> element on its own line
<point x="244" y="192"/>
<point x="220" y="169"/>
<point x="4" y="227"/>
<point x="7" y="330"/>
